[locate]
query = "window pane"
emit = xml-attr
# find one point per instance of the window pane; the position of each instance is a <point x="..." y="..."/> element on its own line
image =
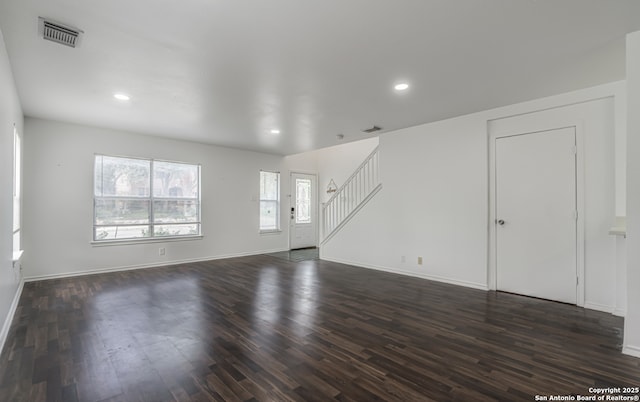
<point x="174" y="211"/>
<point x="121" y="177"/>
<point x="124" y="205"/>
<point x="269" y="188"/>
<point x="268" y="215"/>
<point x="124" y="212"/>
<point x="303" y="201"/>
<point x="269" y="200"/>
<point x="175" y="180"/>
<point x="16" y="213"/>
<point x="176" y="230"/>
<point x="121" y="232"/>
<point x="16" y="241"/>
<point x="17" y="165"/>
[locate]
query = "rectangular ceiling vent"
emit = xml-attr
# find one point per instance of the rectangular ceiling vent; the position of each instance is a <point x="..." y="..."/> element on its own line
<point x="372" y="129"/>
<point x="59" y="33"/>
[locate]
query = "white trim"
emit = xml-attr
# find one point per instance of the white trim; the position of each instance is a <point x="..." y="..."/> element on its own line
<point x="317" y="204"/>
<point x="619" y="312"/>
<point x="151" y="198"/>
<point x="580" y="207"/>
<point x="450" y="281"/>
<point x="278" y="203"/>
<point x="145" y="240"/>
<point x="631" y="350"/>
<point x="9" y="319"/>
<point x="143" y="266"/>
<point x="270" y="232"/>
<point x="492" y="277"/>
<point x="309" y="172"/>
<point x="353" y="213"/>
<point x="341" y="213"/>
<point x="613" y="89"/>
<point x="17" y="255"/>
<point x="599" y="307"/>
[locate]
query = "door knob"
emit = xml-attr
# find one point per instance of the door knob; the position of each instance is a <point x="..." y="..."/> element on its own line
<point x="501" y="222"/>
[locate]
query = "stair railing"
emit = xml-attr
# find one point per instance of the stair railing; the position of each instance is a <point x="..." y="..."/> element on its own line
<point x="363" y="184"/>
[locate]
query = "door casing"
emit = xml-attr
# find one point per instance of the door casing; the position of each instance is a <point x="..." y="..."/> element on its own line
<point x="492" y="277"/>
<point x="315" y="200"/>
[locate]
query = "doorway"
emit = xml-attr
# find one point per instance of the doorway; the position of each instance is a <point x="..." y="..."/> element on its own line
<point x="303" y="216"/>
<point x="536" y="213"/>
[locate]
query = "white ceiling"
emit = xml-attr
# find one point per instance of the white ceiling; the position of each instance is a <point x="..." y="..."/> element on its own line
<point x="226" y="72"/>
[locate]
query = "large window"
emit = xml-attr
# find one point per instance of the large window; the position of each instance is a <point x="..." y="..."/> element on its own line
<point x="17" y="190"/>
<point x="145" y="199"/>
<point x="269" y="201"/>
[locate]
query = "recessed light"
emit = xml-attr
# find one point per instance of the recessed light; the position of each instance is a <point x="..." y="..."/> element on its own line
<point x="122" y="97"/>
<point x="275" y="131"/>
<point x="401" y="87"/>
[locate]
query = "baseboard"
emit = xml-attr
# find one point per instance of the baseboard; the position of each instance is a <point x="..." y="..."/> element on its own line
<point x="599" y="307"/>
<point x="450" y="281"/>
<point x="620" y="312"/>
<point x="588" y="305"/>
<point x="631" y="350"/>
<point x="143" y="266"/>
<point x="352" y="214"/>
<point x="9" y="319"/>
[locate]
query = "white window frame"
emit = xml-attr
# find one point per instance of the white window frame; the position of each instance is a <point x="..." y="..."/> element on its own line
<point x="277" y="201"/>
<point x="151" y="198"/>
<point x="17" y="193"/>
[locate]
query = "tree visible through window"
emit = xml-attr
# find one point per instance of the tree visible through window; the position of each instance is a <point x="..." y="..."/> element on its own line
<point x="269" y="201"/>
<point x="144" y="198"/>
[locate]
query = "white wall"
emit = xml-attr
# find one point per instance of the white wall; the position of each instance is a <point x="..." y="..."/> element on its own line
<point x="58" y="203"/>
<point x="595" y="121"/>
<point x="434" y="203"/>
<point x="10" y="114"/>
<point x="632" y="321"/>
<point x="337" y="162"/>
<point x="340" y="162"/>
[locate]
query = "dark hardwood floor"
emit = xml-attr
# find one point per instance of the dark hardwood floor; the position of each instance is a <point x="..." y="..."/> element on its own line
<point x="267" y="329"/>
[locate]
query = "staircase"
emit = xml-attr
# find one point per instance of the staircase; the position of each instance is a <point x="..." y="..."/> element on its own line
<point x="363" y="184"/>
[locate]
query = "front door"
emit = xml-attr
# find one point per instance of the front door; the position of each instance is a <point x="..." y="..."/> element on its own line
<point x="302" y="214"/>
<point x="536" y="214"/>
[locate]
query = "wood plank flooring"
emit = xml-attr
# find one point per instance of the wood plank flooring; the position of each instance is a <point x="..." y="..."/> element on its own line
<point x="266" y="329"/>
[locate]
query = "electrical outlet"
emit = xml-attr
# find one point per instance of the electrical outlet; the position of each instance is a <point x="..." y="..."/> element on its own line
<point x="403" y="259"/>
<point x="419" y="260"/>
<point x="161" y="251"/>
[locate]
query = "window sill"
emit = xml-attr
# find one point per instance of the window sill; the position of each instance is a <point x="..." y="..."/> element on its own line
<point x="270" y="232"/>
<point x="17" y="255"/>
<point x="106" y="243"/>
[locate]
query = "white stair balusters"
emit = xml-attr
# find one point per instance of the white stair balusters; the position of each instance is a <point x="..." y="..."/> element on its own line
<point x="363" y="184"/>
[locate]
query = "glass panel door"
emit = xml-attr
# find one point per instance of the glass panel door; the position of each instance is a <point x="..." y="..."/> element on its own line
<point x="303" y="228"/>
<point x="303" y="201"/>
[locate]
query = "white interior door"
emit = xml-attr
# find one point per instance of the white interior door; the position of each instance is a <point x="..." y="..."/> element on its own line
<point x="536" y="213"/>
<point x="302" y="217"/>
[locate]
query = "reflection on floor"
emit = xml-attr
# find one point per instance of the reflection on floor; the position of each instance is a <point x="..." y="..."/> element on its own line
<point x="260" y="328"/>
<point x="303" y="254"/>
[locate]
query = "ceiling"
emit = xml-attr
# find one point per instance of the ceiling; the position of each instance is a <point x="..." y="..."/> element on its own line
<point x="227" y="72"/>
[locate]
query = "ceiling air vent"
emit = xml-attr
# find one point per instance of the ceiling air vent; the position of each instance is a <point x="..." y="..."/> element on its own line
<point x="59" y="33"/>
<point x="372" y="129"/>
